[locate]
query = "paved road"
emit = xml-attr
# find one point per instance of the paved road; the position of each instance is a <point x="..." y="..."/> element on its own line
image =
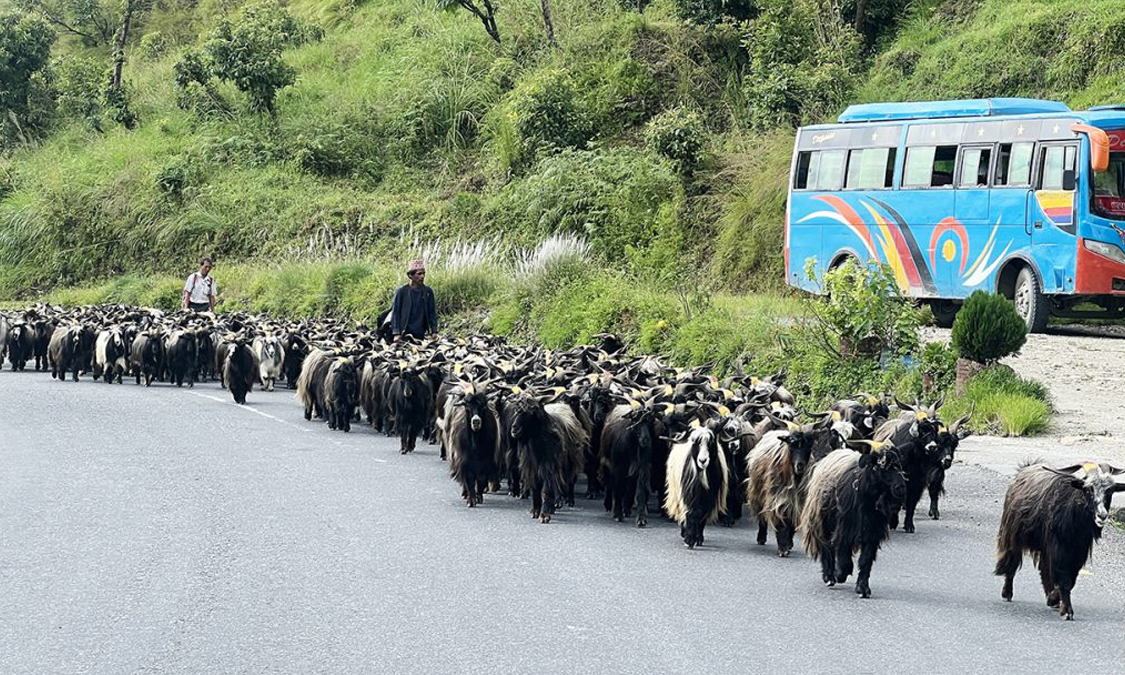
<point x="170" y="531"/>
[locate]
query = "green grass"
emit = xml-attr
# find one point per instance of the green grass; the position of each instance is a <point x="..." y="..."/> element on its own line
<point x="1005" y="404"/>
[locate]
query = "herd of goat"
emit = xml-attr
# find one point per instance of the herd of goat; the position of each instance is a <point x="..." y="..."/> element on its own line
<point x="536" y="419"/>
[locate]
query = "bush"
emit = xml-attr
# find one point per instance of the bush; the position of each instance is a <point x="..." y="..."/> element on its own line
<point x="152" y="46"/>
<point x="710" y="12"/>
<point x="547" y="116"/>
<point x="864" y="310"/>
<point x="988" y="328"/>
<point x="78" y="87"/>
<point x="678" y="135"/>
<point x="939" y="362"/>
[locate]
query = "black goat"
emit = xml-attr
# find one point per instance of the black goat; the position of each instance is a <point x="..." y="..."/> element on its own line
<point x="20" y="340"/>
<point x="851" y="499"/>
<point x="69" y="351"/>
<point x="697" y="481"/>
<point x="295" y="351"/>
<point x="181" y="352"/>
<point x="408" y="401"/>
<point x="40" y="340"/>
<point x="914" y="434"/>
<point x="238" y="370"/>
<point x="947" y="440"/>
<point x="1055" y="515"/>
<point x="470" y="430"/>
<point x="628" y="449"/>
<point x="341" y="389"/>
<point x="147" y="356"/>
<point x="548" y="442"/>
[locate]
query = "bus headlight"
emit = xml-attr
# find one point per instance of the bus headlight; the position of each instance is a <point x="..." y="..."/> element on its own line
<point x="1105" y="250"/>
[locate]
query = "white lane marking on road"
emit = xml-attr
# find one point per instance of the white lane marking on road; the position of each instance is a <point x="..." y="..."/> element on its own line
<point x="268" y="416"/>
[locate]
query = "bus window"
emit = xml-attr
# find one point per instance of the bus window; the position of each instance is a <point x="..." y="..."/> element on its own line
<point x="929" y="166"/>
<point x="871" y="169"/>
<point x="1013" y="166"/>
<point x="801" y="180"/>
<point x="1053" y="167"/>
<point x="830" y="173"/>
<point x="974" y="167"/>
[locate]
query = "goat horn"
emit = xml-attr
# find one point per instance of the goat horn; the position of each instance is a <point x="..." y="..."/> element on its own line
<point x="957" y="425"/>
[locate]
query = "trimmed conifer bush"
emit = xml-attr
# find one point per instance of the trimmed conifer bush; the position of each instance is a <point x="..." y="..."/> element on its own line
<point x="988" y="328"/>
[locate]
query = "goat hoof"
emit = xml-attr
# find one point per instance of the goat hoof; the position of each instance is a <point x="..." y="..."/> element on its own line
<point x="782" y="553"/>
<point x="862" y="589"/>
<point x="1053" y="599"/>
<point x="642" y="522"/>
<point x="546" y="518"/>
<point x="908" y="529"/>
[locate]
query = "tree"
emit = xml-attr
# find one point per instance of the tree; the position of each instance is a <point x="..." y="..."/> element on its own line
<point x="549" y="23"/>
<point x="248" y="53"/>
<point x="93" y="21"/>
<point x="486" y="13"/>
<point x="25" y="47"/>
<point x="711" y="12"/>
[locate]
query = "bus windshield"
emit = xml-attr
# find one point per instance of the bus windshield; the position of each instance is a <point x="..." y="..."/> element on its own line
<point x="1109" y="188"/>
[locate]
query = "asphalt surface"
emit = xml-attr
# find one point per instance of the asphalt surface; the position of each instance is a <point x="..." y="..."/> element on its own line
<point x="171" y="531"/>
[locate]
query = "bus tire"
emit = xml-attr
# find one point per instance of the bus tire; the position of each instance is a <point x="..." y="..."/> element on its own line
<point x="1030" y="302"/>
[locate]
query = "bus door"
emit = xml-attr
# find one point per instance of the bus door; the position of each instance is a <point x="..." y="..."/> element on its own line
<point x="1051" y="213"/>
<point x="1008" y="226"/>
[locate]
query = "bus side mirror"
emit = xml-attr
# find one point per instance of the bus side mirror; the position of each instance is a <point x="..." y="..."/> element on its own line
<point x="1070" y="180"/>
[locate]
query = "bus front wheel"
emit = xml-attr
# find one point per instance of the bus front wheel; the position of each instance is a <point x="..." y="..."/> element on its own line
<point x="1030" y="301"/>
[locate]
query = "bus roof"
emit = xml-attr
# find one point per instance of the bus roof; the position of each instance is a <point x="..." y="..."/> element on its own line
<point x="982" y="107"/>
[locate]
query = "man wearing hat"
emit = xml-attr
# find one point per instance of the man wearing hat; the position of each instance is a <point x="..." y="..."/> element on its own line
<point x="414" y="311"/>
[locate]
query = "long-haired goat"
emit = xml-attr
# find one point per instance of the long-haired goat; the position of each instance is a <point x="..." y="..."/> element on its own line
<point x="310" y="384"/>
<point x="548" y="441"/>
<point x="1055" y="515"/>
<point x="697" y="481"/>
<point x="629" y="441"/>
<point x="851" y="499"/>
<point x="470" y="431"/>
<point x="238" y="369"/>
<point x="776" y="470"/>
<point x="147" y="356"/>
<point x="914" y="434"/>
<point x="270" y="355"/>
<point x="341" y="389"/>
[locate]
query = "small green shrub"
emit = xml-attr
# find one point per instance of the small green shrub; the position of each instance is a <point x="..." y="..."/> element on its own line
<point x="678" y="135"/>
<point x="988" y="328"/>
<point x="939" y="362"/>
<point x="864" y="310"/>
<point x="152" y="46"/>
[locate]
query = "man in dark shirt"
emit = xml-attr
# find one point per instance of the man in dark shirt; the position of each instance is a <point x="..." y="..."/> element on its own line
<point x="414" y="311"/>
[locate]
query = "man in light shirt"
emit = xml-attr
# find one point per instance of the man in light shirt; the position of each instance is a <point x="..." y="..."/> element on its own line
<point x="200" y="289"/>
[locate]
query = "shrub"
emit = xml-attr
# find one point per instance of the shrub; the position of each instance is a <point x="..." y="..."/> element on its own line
<point x="547" y="116"/>
<point x="988" y="328"/>
<point x="939" y="362"/>
<point x="78" y="87"/>
<point x="678" y="135"/>
<point x="334" y="150"/>
<point x="152" y="46"/>
<point x="709" y="12"/>
<point x="864" y="310"/>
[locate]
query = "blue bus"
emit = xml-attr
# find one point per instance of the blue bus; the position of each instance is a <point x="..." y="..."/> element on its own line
<point x="1021" y="197"/>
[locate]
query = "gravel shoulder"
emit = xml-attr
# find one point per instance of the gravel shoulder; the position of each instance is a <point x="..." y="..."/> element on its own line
<point x="1084" y="369"/>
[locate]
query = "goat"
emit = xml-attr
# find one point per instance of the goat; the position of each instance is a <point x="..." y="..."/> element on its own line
<point x="295" y="350"/>
<point x="470" y="430"/>
<point x="40" y="340"/>
<point x="548" y="443"/>
<point x="341" y="386"/>
<point x="408" y="399"/>
<point x="1055" y="515"/>
<point x="851" y="499"/>
<point x="271" y="356"/>
<point x="68" y="351"/>
<point x="697" y="481"/>
<point x="147" y="356"/>
<point x="628" y="441"/>
<point x="310" y="383"/>
<point x="914" y="434"/>
<point x="19" y="345"/>
<point x="776" y="469"/>
<point x="110" y="355"/>
<point x="238" y="369"/>
<point x="181" y="351"/>
<point x="947" y="440"/>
